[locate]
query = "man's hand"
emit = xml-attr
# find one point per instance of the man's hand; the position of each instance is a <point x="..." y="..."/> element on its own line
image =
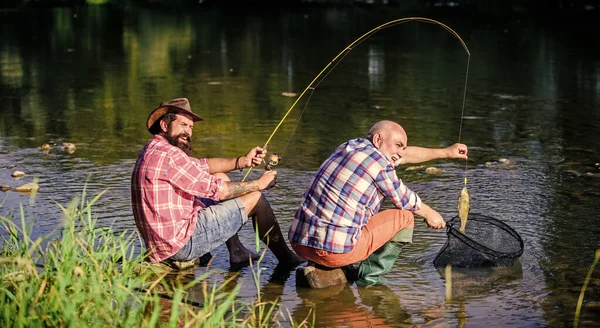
<point x="267" y="180"/>
<point x="432" y="217"/>
<point x="435" y="220"/>
<point x="457" y="150"/>
<point x="254" y="157"/>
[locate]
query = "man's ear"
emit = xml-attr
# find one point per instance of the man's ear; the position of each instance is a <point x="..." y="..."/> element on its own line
<point x="163" y="126"/>
<point x="377" y="140"/>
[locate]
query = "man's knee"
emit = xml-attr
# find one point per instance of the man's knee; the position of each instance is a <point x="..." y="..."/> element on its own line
<point x="222" y="176"/>
<point x="407" y="224"/>
<point x="255" y="202"/>
<point x="406" y="218"/>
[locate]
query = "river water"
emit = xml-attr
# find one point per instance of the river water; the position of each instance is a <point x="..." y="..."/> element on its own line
<point x="90" y="75"/>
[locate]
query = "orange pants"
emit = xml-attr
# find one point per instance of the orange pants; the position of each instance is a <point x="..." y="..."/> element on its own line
<point x="379" y="230"/>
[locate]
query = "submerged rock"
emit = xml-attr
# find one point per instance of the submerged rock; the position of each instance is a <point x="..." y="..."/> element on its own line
<point x="69" y="147"/>
<point x="506" y="161"/>
<point x="17" y="174"/>
<point x="413" y="168"/>
<point x="5" y="187"/>
<point x="28" y="187"/>
<point x="433" y="170"/>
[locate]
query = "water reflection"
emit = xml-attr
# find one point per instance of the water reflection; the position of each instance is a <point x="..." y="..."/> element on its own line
<point x="376" y="68"/>
<point x="473" y="282"/>
<point x="375" y="306"/>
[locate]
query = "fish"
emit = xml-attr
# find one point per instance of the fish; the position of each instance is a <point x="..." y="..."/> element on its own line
<point x="463" y="208"/>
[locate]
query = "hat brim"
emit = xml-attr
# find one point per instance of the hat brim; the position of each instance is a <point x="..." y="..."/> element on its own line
<point x="156" y="114"/>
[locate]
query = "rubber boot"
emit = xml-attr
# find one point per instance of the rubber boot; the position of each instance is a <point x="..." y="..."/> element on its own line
<point x="382" y="260"/>
<point x="378" y="264"/>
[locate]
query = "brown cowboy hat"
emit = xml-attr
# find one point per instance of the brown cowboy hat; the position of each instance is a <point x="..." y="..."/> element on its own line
<point x="177" y="105"/>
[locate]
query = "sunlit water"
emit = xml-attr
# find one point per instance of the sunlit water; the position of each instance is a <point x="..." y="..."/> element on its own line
<point x="91" y="75"/>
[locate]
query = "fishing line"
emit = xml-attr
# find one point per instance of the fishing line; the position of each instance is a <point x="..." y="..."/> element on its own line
<point x="462" y="115"/>
<point x="298" y="120"/>
<point x="338" y="58"/>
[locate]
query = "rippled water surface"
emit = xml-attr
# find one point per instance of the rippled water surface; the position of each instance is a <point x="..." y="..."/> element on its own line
<point x="90" y="76"/>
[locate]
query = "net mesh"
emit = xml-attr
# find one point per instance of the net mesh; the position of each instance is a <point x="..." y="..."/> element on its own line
<point x="486" y="242"/>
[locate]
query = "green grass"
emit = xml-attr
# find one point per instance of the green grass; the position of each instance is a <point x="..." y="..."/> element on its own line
<point x="87" y="276"/>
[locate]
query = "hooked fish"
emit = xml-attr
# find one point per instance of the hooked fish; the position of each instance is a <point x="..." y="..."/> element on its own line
<point x="463" y="208"/>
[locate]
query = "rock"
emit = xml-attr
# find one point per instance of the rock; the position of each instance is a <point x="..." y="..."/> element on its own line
<point x="45" y="147"/>
<point x="506" y="161"/>
<point x="433" y="170"/>
<point x="289" y="94"/>
<point x="17" y="174"/>
<point x="5" y="187"/>
<point x="28" y="187"/>
<point x="181" y="265"/>
<point x="413" y="168"/>
<point x="316" y="276"/>
<point x="10" y="166"/>
<point x="69" y="147"/>
<point x="151" y="268"/>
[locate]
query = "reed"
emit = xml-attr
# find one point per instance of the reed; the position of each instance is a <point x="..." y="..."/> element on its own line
<point x="584" y="287"/>
<point x="82" y="275"/>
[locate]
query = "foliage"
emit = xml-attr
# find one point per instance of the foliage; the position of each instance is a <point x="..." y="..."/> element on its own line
<point x="84" y="275"/>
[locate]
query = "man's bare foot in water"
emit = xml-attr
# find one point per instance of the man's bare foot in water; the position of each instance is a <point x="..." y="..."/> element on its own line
<point x="292" y="259"/>
<point x="239" y="256"/>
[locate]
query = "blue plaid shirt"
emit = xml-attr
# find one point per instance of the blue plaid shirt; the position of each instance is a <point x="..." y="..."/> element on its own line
<point x="345" y="193"/>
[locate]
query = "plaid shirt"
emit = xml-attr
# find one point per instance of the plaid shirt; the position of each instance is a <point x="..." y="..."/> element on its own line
<point x="166" y="185"/>
<point x="346" y="191"/>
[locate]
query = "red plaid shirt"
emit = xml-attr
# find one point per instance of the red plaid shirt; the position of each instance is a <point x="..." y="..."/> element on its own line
<point x="166" y="185"/>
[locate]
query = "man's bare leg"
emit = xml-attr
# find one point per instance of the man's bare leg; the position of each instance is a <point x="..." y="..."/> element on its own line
<point x="258" y="207"/>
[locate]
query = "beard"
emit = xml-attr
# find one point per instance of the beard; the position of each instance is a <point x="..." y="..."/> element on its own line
<point x="176" y="141"/>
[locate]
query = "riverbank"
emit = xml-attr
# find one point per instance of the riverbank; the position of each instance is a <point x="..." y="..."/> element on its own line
<point x="84" y="275"/>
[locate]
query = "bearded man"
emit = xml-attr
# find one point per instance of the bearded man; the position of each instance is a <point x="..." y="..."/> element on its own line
<point x="184" y="207"/>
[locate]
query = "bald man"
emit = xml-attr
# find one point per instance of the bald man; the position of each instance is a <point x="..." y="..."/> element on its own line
<point x="339" y="223"/>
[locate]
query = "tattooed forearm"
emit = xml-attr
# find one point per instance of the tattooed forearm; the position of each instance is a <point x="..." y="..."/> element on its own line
<point x="232" y="189"/>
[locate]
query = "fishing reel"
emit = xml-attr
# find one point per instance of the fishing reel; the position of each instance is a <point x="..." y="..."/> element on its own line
<point x="273" y="160"/>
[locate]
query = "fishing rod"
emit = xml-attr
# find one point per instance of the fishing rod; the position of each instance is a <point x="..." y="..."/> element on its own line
<point x="338" y="58"/>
